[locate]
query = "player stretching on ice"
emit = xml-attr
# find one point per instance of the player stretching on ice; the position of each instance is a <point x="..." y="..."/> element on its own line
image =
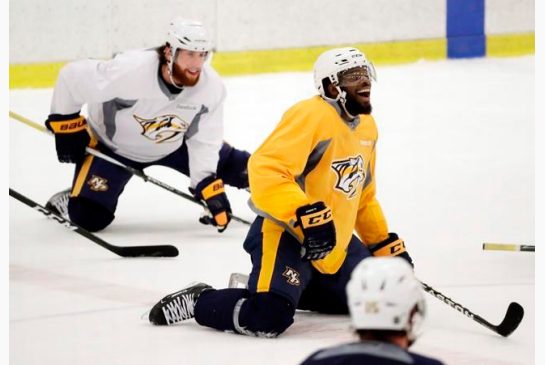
<point x="312" y="183"/>
<point x="145" y="107"/>
<point x="387" y="309"/>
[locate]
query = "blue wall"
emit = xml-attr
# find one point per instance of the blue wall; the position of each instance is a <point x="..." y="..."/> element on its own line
<point x="465" y="28"/>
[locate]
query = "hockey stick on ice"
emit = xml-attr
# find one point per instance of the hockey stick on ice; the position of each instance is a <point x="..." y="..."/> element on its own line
<point x="132" y="170"/>
<point x="127" y="251"/>
<point x="487" y="246"/>
<point x="510" y="322"/>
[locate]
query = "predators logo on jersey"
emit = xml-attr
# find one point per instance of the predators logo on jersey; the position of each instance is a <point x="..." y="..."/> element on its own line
<point x="164" y="128"/>
<point x="350" y="174"/>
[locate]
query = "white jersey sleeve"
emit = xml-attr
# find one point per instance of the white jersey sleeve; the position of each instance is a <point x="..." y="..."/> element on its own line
<point x="204" y="140"/>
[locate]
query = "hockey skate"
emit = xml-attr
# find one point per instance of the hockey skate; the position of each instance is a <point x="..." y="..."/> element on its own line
<point x="178" y="306"/>
<point x="58" y="203"/>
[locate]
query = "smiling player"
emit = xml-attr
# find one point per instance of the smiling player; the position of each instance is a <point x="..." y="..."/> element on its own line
<point x="150" y="107"/>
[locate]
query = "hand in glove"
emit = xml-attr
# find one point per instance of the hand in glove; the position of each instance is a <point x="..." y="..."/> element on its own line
<point x="391" y="246"/>
<point x="212" y="193"/>
<point x="71" y="136"/>
<point x="319" y="235"/>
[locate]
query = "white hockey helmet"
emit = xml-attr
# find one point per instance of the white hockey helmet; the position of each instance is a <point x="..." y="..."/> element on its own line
<point x="188" y="34"/>
<point x="333" y="61"/>
<point x="384" y="294"/>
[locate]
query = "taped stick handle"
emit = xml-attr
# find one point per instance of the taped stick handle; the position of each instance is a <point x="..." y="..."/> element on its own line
<point x="488" y="246"/>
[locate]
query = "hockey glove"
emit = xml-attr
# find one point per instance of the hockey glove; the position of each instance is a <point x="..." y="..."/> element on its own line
<point x="319" y="236"/>
<point x="71" y="136"/>
<point x="212" y="193"/>
<point x="391" y="246"/>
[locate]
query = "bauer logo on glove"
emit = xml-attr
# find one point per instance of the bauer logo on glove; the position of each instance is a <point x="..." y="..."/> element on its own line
<point x="212" y="193"/>
<point x="71" y="137"/>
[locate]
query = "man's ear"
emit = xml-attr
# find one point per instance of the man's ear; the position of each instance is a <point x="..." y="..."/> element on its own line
<point x="168" y="53"/>
<point x="332" y="91"/>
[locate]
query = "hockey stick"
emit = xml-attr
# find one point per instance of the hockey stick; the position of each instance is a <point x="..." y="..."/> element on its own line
<point x="487" y="246"/>
<point x="127" y="251"/>
<point x="510" y="321"/>
<point x="132" y="170"/>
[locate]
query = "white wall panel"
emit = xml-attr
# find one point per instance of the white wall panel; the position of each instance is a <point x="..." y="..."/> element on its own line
<point x="57" y="30"/>
<point x="64" y="30"/>
<point x="249" y="24"/>
<point x="509" y="16"/>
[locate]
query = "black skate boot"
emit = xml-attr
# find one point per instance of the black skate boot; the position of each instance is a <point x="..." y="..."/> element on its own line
<point x="58" y="203"/>
<point x="177" y="307"/>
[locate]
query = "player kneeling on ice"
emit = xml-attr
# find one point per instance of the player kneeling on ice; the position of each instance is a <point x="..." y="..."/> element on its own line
<point x="149" y="107"/>
<point x="387" y="309"/>
<point x="312" y="183"/>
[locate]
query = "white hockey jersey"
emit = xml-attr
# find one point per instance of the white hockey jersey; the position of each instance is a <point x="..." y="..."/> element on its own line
<point x="132" y="112"/>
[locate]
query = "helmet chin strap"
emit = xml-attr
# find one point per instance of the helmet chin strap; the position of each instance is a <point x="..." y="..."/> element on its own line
<point x="341" y="99"/>
<point x="171" y="67"/>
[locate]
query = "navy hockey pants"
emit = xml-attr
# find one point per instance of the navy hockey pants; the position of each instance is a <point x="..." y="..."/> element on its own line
<point x="277" y="267"/>
<point x="100" y="183"/>
<point x="279" y="283"/>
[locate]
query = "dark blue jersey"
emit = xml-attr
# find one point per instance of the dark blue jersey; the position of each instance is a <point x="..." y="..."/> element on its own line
<point x="368" y="353"/>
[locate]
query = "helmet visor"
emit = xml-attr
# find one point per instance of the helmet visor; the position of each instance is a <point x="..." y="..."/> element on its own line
<point x="355" y="75"/>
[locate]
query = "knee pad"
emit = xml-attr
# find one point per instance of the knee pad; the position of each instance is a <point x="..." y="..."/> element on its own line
<point x="263" y="315"/>
<point x="89" y="214"/>
<point x="233" y="166"/>
<point x="214" y="308"/>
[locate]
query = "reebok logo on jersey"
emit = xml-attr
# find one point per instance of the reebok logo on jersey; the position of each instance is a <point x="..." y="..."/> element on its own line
<point x="164" y="128"/>
<point x="188" y="106"/>
<point x="97" y="183"/>
<point x="350" y="174"/>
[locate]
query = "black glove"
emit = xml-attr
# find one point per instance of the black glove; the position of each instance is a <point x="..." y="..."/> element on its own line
<point x="211" y="191"/>
<point x="71" y="136"/>
<point x="319" y="235"/>
<point x="391" y="246"/>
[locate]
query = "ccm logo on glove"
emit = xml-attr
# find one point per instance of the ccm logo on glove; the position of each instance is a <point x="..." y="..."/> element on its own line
<point x="316" y="219"/>
<point x="318" y="228"/>
<point x="391" y="246"/>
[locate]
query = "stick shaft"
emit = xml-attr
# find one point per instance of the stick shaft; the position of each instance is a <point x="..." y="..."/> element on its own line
<point x="127" y="251"/>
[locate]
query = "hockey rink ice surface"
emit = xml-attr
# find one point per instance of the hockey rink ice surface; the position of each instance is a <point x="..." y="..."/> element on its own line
<point x="455" y="168"/>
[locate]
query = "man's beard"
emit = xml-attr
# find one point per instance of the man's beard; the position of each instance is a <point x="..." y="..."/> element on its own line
<point x="181" y="77"/>
<point x="355" y="108"/>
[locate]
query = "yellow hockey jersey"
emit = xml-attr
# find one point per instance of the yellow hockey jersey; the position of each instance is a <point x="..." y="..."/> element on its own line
<point x="313" y="155"/>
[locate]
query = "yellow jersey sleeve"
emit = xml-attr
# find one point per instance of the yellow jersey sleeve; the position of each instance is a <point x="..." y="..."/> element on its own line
<point x="371" y="224"/>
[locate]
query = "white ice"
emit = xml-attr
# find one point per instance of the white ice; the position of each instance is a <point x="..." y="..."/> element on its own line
<point x="455" y="169"/>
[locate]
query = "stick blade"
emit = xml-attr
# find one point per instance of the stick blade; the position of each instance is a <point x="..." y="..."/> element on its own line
<point x="512" y="319"/>
<point x="148" y="251"/>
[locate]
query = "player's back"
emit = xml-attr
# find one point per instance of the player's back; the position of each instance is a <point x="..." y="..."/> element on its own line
<point x="368" y="353"/>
